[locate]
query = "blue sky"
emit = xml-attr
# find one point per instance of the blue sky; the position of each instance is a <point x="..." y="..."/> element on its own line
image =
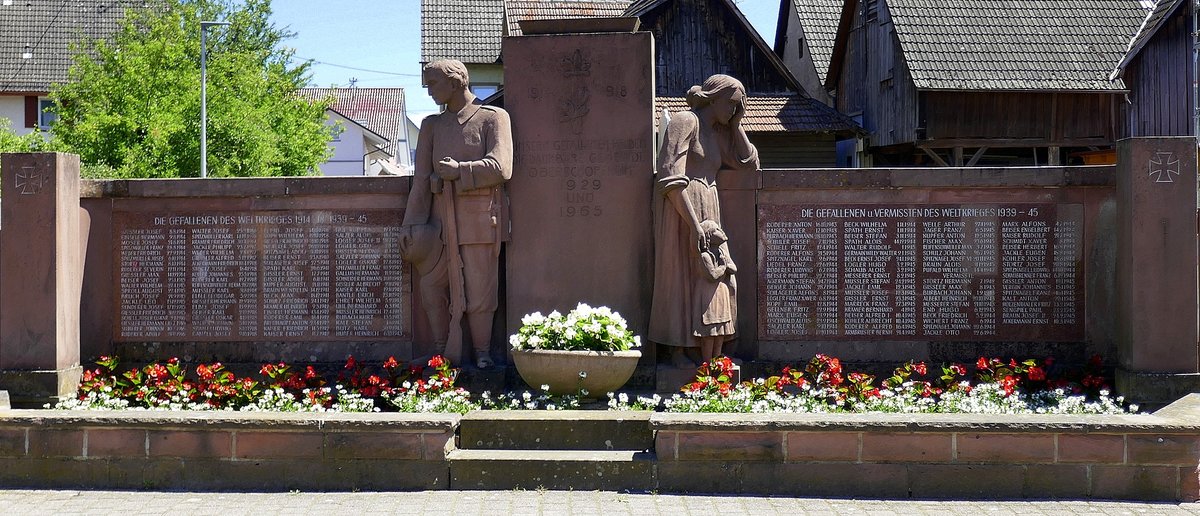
<point x="379" y="41"/>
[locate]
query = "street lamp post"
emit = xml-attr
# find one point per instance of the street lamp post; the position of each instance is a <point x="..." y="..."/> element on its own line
<point x="204" y="25"/>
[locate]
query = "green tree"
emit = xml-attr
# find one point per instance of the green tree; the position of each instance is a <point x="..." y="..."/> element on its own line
<point x="10" y="141"/>
<point x="131" y="105"/>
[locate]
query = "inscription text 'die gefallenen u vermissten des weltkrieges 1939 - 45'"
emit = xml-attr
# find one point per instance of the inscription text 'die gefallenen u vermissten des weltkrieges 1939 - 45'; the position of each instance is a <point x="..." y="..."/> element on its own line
<point x="921" y="272"/>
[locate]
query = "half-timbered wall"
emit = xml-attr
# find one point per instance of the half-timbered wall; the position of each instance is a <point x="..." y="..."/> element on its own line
<point x="696" y="38"/>
<point x="1160" y="80"/>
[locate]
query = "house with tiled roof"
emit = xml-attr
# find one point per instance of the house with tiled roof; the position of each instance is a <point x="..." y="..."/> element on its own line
<point x="971" y="82"/>
<point x="804" y="38"/>
<point x="1159" y="70"/>
<point x="371" y="131"/>
<point x="467" y="30"/>
<point x="693" y="40"/>
<point x="35" y="40"/>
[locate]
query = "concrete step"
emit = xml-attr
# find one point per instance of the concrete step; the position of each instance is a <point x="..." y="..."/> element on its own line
<point x="621" y="470"/>
<point x="555" y="430"/>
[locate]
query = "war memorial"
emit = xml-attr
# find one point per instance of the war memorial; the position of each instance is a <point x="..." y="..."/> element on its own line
<point x="873" y="265"/>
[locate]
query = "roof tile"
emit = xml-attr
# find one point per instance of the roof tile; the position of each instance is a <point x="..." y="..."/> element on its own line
<point x="1014" y="44"/>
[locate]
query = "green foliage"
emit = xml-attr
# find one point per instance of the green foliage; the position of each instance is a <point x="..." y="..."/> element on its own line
<point x="10" y="141"/>
<point x="131" y="107"/>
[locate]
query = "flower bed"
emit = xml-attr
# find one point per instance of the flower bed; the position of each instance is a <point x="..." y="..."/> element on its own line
<point x="996" y="386"/>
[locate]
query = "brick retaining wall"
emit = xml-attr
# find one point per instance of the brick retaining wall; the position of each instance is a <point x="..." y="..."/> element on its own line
<point x="240" y="451"/>
<point x="1149" y="457"/>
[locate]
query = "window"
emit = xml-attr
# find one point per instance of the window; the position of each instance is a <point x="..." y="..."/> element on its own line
<point x="46" y="114"/>
<point x="800" y="47"/>
<point x="484" y="91"/>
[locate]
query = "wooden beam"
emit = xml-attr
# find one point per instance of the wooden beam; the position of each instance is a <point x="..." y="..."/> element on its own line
<point x="998" y="143"/>
<point x="1053" y="157"/>
<point x="936" y="159"/>
<point x="975" y="157"/>
<point x="956" y="156"/>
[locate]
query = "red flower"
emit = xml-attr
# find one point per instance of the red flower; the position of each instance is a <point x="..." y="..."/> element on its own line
<point x="437" y="361"/>
<point x="310" y="373"/>
<point x="204" y="373"/>
<point x="919" y="367"/>
<point x="350" y="362"/>
<point x="958" y="369"/>
<point x="267" y="370"/>
<point x="982" y="363"/>
<point x="1037" y="374"/>
<point x="1008" y="383"/>
<point x="390" y="363"/>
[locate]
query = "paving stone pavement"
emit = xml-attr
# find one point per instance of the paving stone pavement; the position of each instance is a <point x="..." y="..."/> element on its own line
<point x="578" y="503"/>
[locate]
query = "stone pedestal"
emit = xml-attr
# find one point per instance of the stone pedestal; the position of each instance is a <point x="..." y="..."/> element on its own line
<point x="582" y="117"/>
<point x="1156" y="264"/>
<point x="41" y="276"/>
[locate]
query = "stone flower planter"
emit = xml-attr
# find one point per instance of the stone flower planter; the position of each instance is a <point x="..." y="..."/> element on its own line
<point x="606" y="371"/>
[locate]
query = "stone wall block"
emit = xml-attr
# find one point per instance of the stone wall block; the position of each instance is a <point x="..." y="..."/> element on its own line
<point x="900" y="447"/>
<point x="1091" y="448"/>
<point x="1005" y="448"/>
<point x="823" y="446"/>
<point x="741" y="446"/>
<point x="184" y="443"/>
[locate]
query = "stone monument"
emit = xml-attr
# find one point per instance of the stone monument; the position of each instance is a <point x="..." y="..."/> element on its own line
<point x="464" y="157"/>
<point x="582" y="106"/>
<point x="1156" y="268"/>
<point x="41" y="252"/>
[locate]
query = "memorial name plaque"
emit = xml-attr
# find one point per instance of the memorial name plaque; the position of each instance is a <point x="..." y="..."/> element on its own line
<point x="295" y="275"/>
<point x="921" y="272"/>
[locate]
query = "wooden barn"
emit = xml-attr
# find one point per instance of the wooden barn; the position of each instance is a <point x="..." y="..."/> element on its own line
<point x="804" y="41"/>
<point x="693" y="40"/>
<point x="1159" y="70"/>
<point x="983" y="82"/>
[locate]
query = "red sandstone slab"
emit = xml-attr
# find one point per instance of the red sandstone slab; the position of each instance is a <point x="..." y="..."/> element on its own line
<point x="188" y="444"/>
<point x="1135" y="482"/>
<point x="373" y="445"/>
<point x="1005" y="448"/>
<point x="896" y="447"/>
<point x="103" y="442"/>
<point x="12" y="442"/>
<point x="739" y="446"/>
<point x="1091" y="448"/>
<point x="1182" y="450"/>
<point x="581" y="107"/>
<point x="823" y="446"/>
<point x="289" y="445"/>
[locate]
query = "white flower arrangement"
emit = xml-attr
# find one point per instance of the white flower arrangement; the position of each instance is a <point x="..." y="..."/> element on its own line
<point x="583" y="329"/>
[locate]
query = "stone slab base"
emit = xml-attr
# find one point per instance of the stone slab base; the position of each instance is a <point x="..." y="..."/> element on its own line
<point x="1153" y="390"/>
<point x="33" y="389"/>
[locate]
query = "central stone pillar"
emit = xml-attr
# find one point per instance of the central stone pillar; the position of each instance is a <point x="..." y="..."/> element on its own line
<point x="582" y="108"/>
<point x="41" y="276"/>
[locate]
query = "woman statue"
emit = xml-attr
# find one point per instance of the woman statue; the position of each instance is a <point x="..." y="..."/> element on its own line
<point x="694" y="304"/>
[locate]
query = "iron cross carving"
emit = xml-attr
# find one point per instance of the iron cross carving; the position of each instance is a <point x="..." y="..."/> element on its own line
<point x="1164" y="166"/>
<point x="30" y="180"/>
